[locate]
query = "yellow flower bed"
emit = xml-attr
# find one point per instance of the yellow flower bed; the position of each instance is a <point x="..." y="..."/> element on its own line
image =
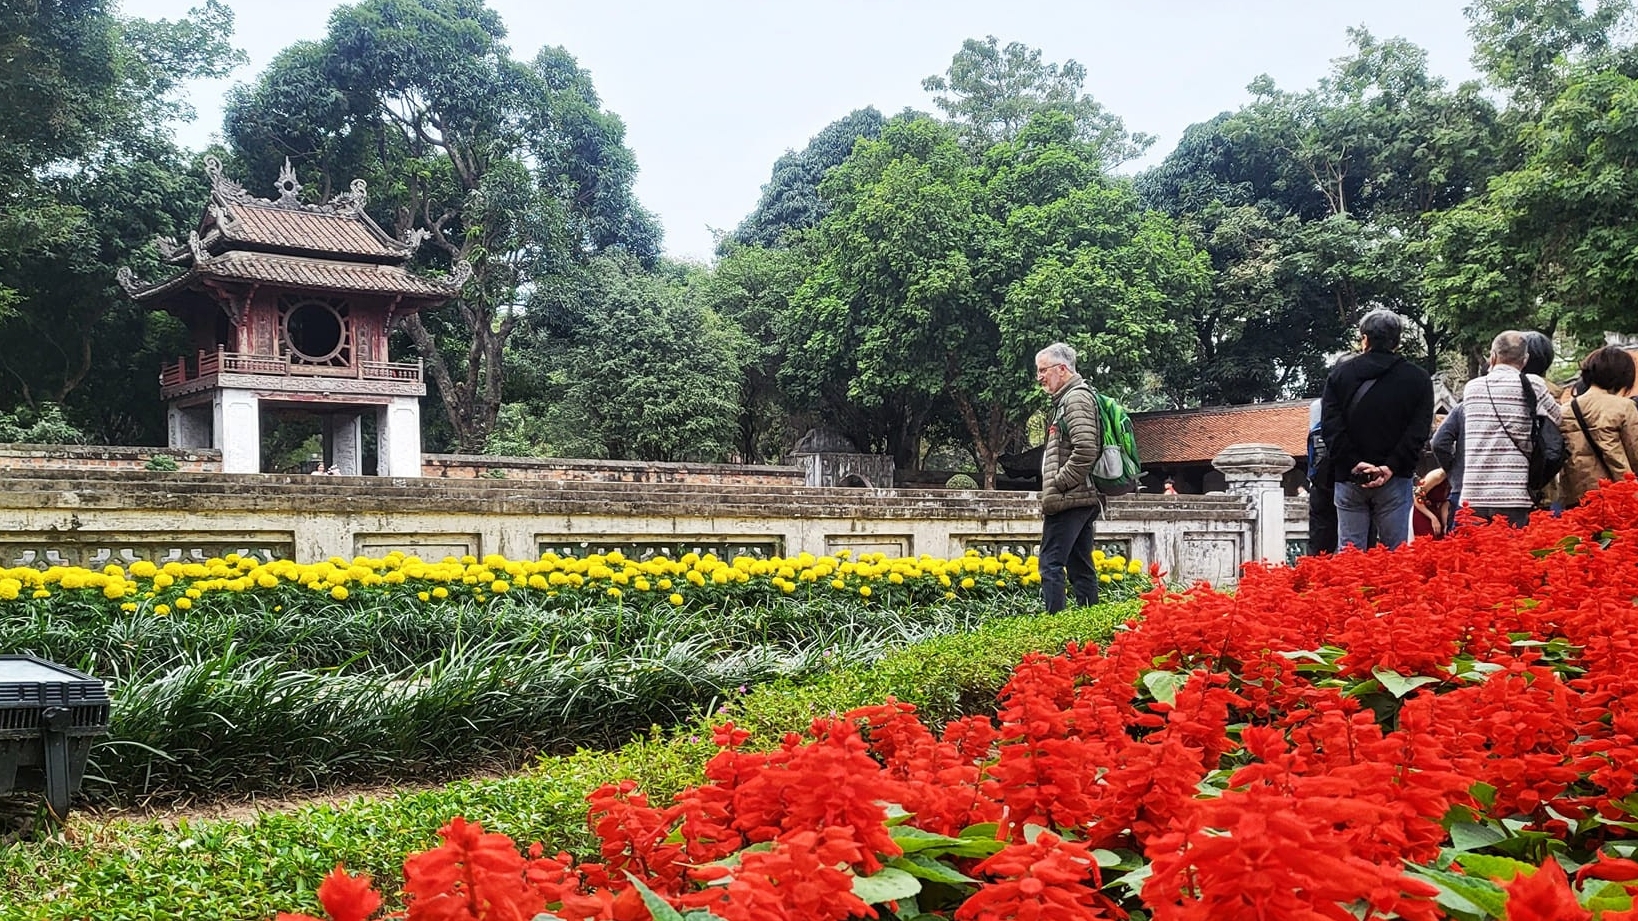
<point x="176" y="585"/>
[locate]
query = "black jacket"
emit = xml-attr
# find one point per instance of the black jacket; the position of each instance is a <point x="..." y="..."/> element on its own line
<point x="1391" y="422"/>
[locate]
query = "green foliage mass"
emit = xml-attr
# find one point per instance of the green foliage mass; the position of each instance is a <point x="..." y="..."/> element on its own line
<point x="937" y="278"/>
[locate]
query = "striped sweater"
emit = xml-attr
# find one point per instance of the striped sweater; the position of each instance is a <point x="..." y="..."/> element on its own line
<point x="1495" y="435"/>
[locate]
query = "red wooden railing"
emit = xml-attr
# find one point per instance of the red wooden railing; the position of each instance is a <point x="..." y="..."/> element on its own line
<point x="210" y="364"/>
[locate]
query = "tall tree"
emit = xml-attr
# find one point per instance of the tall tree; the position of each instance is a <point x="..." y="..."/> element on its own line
<point x="627" y="364"/>
<point x="1314" y="206"/>
<point x="752" y="287"/>
<point x="92" y="176"/>
<point x="790" y="199"/>
<point x="511" y="168"/>
<point x="937" y="278"/>
<point x="990" y="93"/>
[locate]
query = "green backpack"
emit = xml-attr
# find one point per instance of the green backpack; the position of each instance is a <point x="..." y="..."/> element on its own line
<point x="1117" y="470"/>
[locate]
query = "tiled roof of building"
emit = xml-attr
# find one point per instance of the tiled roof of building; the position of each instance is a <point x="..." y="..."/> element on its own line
<point x="303" y="272"/>
<point x="343" y="233"/>
<point x="1189" y="436"/>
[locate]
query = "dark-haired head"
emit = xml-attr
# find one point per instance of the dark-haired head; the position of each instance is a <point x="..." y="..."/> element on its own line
<point x="1382" y="329"/>
<point x="1610" y="368"/>
<point x="1538" y="348"/>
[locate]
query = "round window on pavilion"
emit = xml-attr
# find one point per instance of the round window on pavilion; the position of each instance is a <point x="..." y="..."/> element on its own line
<point x="316" y="333"/>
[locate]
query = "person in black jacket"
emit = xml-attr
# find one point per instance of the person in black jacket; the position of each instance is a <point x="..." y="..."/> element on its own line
<point x="1375" y="416"/>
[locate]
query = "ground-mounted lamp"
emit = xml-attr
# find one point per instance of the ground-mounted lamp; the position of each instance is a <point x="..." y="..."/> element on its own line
<point x="49" y="717"/>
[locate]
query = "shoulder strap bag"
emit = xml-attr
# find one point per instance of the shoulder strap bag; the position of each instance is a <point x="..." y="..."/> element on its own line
<point x="1598" y="452"/>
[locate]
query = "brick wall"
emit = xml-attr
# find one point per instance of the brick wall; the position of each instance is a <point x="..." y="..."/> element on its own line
<point x="103" y="457"/>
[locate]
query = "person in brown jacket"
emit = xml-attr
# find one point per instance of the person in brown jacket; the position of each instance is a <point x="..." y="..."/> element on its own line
<point x="1069" y="499"/>
<point x="1600" y="426"/>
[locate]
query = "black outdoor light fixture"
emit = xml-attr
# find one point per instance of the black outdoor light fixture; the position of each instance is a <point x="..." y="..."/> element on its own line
<point x="49" y="716"/>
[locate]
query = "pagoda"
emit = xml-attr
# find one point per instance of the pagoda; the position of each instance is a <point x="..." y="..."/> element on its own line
<point x="288" y="306"/>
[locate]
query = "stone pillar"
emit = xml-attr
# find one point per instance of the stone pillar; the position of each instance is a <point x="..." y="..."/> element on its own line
<point x="398" y="438"/>
<point x="237" y="433"/>
<point x="344" y="436"/>
<point x="188" y="428"/>
<point x="1255" y="471"/>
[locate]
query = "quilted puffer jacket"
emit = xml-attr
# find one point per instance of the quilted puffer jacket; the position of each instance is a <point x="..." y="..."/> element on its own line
<point x="1074" y="441"/>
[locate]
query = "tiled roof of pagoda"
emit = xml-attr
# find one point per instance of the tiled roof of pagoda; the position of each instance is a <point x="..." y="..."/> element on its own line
<point x="333" y="246"/>
<point x="306" y="273"/>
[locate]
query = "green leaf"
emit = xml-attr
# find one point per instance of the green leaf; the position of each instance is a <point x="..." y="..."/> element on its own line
<point x="1489" y="866"/>
<point x="887" y="884"/>
<point x="1466" y="894"/>
<point x="1163" y="685"/>
<point x="658" y="907"/>
<point x="911" y="839"/>
<point x="1399" y="685"/>
<point x="1470" y="836"/>
<point x="1133" y="881"/>
<point x="929" y="869"/>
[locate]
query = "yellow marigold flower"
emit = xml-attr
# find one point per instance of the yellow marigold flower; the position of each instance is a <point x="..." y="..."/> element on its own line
<point x="1104" y="578"/>
<point x="164" y="580"/>
<point x="114" y="569"/>
<point x="114" y="591"/>
<point x="41" y="593"/>
<point x="339" y="593"/>
<point x="423" y="596"/>
<point x="968" y="582"/>
<point x="787" y="586"/>
<point x="864" y="591"/>
<point x="838" y="583"/>
<point x="614" y="592"/>
<point x="10" y="589"/>
<point x="193" y="593"/>
<point x="440" y="592"/>
<point x="128" y="607"/>
<point x="500" y="586"/>
<point x="895" y="578"/>
<point x="1118" y="576"/>
<point x="538" y="581"/>
<point x="143" y="569"/>
<point x="182" y="604"/>
<point x="641" y="585"/>
<point x="949" y="596"/>
<point x="1001" y="583"/>
<point x="676" y="599"/>
<point x="1134" y="567"/>
<point x="162" y="609"/>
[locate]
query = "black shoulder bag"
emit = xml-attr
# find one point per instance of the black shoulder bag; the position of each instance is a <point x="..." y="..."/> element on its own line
<point x="1546" y="452"/>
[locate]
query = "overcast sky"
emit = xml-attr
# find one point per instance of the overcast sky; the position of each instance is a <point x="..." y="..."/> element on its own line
<point x="713" y="91"/>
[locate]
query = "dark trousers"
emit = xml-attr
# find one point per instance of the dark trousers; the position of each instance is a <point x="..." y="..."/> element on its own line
<point x="1066" y="545"/>
<point x="1322" y="520"/>
<point x="1517" y="517"/>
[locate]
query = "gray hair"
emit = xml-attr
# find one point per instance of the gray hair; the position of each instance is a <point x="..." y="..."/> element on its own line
<point x="1059" y="353"/>
<point x="1508" y="348"/>
<point x="1383" y="328"/>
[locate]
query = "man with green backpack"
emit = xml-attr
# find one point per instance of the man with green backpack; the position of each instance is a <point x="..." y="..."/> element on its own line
<point x="1090" y="452"/>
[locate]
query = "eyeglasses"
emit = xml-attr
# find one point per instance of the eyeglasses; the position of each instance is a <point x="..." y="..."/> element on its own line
<point x="1040" y="371"/>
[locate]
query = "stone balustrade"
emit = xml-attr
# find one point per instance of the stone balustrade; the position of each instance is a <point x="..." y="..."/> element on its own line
<point x="95" y="517"/>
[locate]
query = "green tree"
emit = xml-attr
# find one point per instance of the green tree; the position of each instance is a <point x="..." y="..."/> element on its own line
<point x="937" y="279"/>
<point x="991" y="93"/>
<point x="751" y="287"/>
<point x="630" y="367"/>
<point x="92" y="176"/>
<point x="1315" y="205"/>
<point x="511" y="168"/>
<point x="790" y="199"/>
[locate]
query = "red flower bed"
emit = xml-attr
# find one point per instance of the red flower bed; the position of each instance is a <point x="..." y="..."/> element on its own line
<point x="1449" y="730"/>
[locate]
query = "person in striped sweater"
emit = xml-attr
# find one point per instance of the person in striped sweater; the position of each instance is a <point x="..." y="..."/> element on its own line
<point x="1496" y="421"/>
